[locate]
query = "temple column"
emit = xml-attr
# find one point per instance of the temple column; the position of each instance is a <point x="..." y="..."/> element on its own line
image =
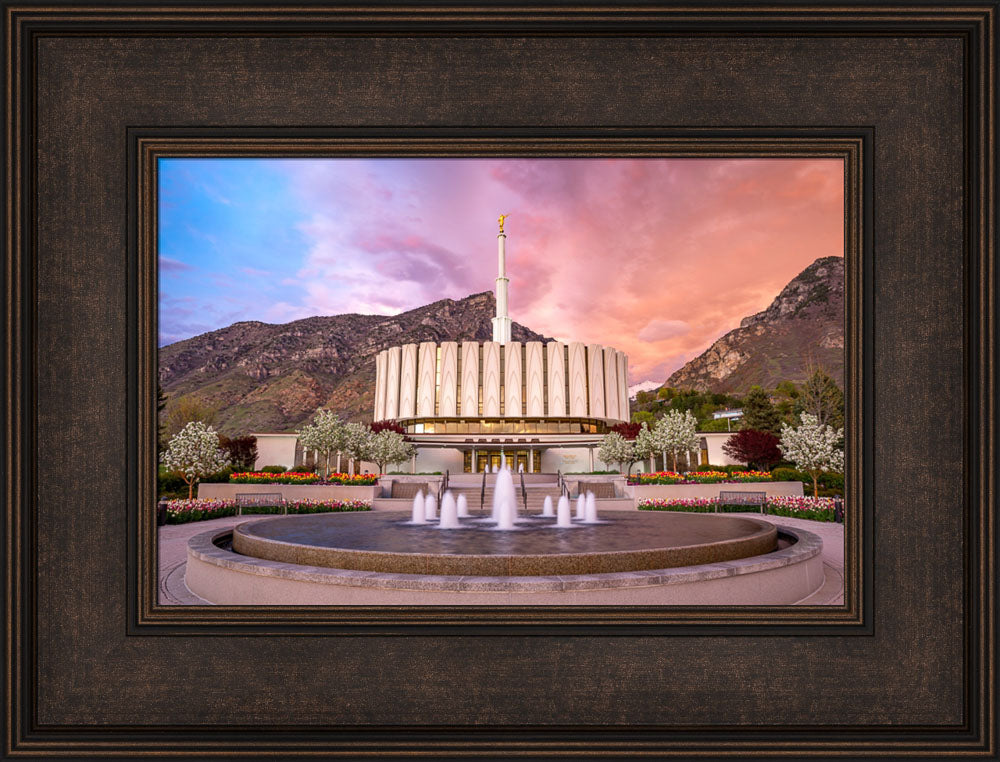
<point x="590" y="453"/>
<point x="531" y="460"/>
<point x="473" y="469"/>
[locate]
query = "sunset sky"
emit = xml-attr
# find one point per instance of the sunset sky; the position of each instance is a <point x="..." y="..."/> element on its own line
<point x="656" y="257"/>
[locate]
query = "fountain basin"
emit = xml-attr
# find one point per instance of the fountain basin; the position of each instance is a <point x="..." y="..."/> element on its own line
<point x="785" y="576"/>
<point x="385" y="542"/>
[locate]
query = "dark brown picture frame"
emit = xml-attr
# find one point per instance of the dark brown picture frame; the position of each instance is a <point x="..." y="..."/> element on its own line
<point x="905" y="94"/>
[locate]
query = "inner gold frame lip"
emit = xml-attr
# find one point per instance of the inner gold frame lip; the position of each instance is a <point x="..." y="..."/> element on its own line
<point x="148" y="145"/>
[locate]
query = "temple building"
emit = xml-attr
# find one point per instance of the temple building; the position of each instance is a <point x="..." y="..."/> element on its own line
<point x="545" y="406"/>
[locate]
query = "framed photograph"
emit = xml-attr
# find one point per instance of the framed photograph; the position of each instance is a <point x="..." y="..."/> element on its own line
<point x="439" y="453"/>
<point x="586" y="381"/>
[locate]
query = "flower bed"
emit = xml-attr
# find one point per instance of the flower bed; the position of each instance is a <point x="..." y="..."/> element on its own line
<point x="690" y="505"/>
<point x="294" y="477"/>
<point x="261" y="477"/>
<point x="358" y="480"/>
<point x="817" y="508"/>
<point x="814" y="508"/>
<point x="184" y="511"/>
<point x="701" y="477"/>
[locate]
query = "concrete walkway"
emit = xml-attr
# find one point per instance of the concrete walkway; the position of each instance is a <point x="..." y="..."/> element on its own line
<point x="173" y="557"/>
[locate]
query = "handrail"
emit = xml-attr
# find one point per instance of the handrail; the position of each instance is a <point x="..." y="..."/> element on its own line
<point x="443" y="486"/>
<point x="482" y="494"/>
<point x="524" y="494"/>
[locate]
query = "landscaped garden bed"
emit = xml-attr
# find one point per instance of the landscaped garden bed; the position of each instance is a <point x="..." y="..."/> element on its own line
<point x="184" y="511"/>
<point x="814" y="508"/>
<point x="701" y="477"/>
<point x="296" y="477"/>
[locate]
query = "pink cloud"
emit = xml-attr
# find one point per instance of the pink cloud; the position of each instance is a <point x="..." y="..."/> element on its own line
<point x="656" y="257"/>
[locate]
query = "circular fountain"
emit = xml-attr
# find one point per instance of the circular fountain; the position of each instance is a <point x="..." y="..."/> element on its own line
<point x="419" y="557"/>
<point x="387" y="542"/>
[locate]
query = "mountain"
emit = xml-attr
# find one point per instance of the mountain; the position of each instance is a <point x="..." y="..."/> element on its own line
<point x="261" y="377"/>
<point x="642" y="386"/>
<point x="803" y="327"/>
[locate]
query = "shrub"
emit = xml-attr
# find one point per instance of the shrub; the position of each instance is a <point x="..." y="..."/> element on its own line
<point x="242" y="451"/>
<point x="273" y="470"/>
<point x="831" y="483"/>
<point x="785" y="475"/>
<point x="388" y="425"/>
<point x="755" y="448"/>
<point x="627" y="430"/>
<point x="170" y="484"/>
<point x="219" y="477"/>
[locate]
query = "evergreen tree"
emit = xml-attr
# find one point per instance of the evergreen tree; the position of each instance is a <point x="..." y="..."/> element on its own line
<point x="758" y="412"/>
<point x="161" y="430"/>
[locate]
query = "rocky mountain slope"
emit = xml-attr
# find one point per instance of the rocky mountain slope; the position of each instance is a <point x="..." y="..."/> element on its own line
<point x="803" y="327"/>
<point x="261" y="377"/>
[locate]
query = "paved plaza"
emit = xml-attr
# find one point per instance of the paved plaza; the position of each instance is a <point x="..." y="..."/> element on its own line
<point x="173" y="557"/>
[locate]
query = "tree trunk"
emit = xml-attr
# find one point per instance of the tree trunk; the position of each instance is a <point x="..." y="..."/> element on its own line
<point x="815" y="484"/>
<point x="190" y="489"/>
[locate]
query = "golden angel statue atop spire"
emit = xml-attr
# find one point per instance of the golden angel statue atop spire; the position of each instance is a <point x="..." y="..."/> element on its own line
<point x="500" y="219"/>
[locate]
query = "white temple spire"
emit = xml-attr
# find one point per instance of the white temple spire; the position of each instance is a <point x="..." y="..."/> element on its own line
<point x="501" y="323"/>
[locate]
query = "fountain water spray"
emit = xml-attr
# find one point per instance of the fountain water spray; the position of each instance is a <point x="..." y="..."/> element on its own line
<point x="449" y="512"/>
<point x="430" y="507"/>
<point x="591" y="508"/>
<point x="504" y="500"/>
<point x="462" y="506"/>
<point x="419" y="515"/>
<point x="547" y="506"/>
<point x="581" y="507"/>
<point x="563" y="516"/>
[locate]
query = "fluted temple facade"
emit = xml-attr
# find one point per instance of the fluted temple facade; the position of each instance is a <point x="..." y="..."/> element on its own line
<point x="544" y="406"/>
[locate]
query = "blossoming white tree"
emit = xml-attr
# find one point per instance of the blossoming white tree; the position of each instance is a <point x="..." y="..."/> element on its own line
<point x="676" y="432"/>
<point x="356" y="442"/>
<point x="194" y="452"/>
<point x="325" y="435"/>
<point x="388" y="447"/>
<point x="812" y="446"/>
<point x="618" y="450"/>
<point x="646" y="445"/>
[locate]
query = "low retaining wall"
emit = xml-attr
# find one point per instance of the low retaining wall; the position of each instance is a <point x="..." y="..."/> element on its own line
<point x="693" y="491"/>
<point x="783" y="577"/>
<point x="288" y="491"/>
